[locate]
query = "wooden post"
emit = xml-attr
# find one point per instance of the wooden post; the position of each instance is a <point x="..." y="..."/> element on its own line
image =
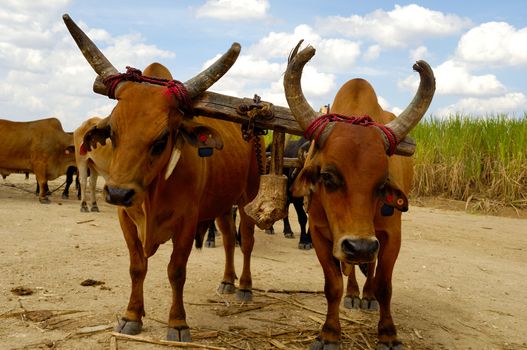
<point x="269" y="205"/>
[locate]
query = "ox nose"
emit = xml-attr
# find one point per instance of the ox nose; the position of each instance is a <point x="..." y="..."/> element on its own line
<point x="360" y="250"/>
<point x="119" y="196"/>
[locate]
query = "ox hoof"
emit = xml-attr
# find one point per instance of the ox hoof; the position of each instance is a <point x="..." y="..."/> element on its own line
<point x="352" y="302"/>
<point x="226" y="288"/>
<point x="179" y="334"/>
<point x="210" y="244"/>
<point x="244" y="295"/>
<point x="269" y="231"/>
<point x="305" y="246"/>
<point x="84" y="210"/>
<point x="65" y="196"/>
<point x="95" y="209"/>
<point x="369" y="304"/>
<point x="395" y="345"/>
<point x="289" y="235"/>
<point x="321" y="345"/>
<point x="129" y="327"/>
<point x="44" y="201"/>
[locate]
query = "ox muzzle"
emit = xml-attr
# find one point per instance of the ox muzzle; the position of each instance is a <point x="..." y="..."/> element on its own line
<point x="357" y="250"/>
<point x="119" y="196"/>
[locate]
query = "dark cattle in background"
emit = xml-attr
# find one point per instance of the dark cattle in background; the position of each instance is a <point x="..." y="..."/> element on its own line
<point x="41" y="147"/>
<point x="294" y="149"/>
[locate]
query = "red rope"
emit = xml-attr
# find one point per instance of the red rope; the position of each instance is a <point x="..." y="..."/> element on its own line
<point x="174" y="87"/>
<point x="317" y="126"/>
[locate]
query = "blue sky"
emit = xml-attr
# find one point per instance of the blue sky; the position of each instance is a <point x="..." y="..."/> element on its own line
<point x="478" y="50"/>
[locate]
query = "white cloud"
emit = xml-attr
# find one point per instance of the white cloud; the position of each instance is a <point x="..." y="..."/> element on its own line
<point x="228" y="10"/>
<point x="332" y="55"/>
<point x="514" y="102"/>
<point x="388" y="107"/>
<point x="396" y="28"/>
<point x="496" y="43"/>
<point x="251" y="75"/>
<point x="43" y="73"/>
<point x="372" y="52"/>
<point x="419" y="53"/>
<point x="455" y="78"/>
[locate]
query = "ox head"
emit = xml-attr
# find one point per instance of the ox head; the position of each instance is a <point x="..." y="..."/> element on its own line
<point x="150" y="123"/>
<point x="346" y="178"/>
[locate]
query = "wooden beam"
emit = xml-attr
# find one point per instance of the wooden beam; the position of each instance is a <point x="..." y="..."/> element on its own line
<point x="218" y="106"/>
<point x="214" y="105"/>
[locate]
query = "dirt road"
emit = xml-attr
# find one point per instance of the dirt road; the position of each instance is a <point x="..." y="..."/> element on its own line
<point x="460" y="283"/>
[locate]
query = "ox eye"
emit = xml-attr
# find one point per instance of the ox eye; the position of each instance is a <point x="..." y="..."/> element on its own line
<point x="159" y="146"/>
<point x="330" y="181"/>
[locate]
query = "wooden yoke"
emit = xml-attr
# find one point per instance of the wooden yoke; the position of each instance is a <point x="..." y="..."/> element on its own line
<point x="269" y="205"/>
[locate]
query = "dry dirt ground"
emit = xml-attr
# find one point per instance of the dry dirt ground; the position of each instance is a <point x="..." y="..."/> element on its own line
<point x="460" y="283"/>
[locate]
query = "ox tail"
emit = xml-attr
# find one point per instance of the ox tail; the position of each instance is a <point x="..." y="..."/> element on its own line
<point x="200" y="233"/>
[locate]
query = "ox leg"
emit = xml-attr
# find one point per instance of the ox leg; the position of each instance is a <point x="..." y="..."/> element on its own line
<point x="211" y="236"/>
<point x="305" y="242"/>
<point x="390" y="244"/>
<point x="93" y="184"/>
<point x="270" y="230"/>
<point x="227" y="226"/>
<point x="42" y="187"/>
<point x="329" y="338"/>
<point x="368" y="301"/>
<point x="178" y="328"/>
<point x="288" y="232"/>
<point x="69" y="180"/>
<point x="131" y="322"/>
<point x="78" y="185"/>
<point x="244" y="292"/>
<point x="352" y="298"/>
<point x="83" y="175"/>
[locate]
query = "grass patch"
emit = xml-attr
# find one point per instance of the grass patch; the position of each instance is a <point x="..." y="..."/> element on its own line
<point x="472" y="158"/>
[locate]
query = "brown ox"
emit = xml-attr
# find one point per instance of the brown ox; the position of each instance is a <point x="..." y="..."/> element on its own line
<point x="351" y="187"/>
<point x="164" y="189"/>
<point x="97" y="161"/>
<point x="41" y="147"/>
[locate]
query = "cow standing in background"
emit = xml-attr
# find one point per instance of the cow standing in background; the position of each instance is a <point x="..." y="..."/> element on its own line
<point x="96" y="162"/>
<point x="352" y="181"/>
<point x="41" y="147"/>
<point x="164" y="178"/>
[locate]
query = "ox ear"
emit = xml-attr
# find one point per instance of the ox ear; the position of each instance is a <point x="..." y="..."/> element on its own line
<point x="305" y="182"/>
<point x="392" y="197"/>
<point x="201" y="136"/>
<point x="97" y="134"/>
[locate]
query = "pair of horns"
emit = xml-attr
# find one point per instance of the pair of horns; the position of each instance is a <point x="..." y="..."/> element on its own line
<point x="401" y="126"/>
<point x="298" y="104"/>
<point x="104" y="68"/>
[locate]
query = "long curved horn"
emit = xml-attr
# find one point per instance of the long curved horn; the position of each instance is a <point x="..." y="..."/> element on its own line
<point x="300" y="108"/>
<point x="100" y="64"/>
<point x="212" y="74"/>
<point x="409" y="118"/>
